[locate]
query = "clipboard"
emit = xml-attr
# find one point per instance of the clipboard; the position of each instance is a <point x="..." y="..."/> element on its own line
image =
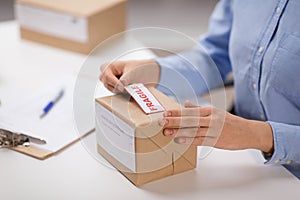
<point x="43" y="154"/>
<point x="58" y="128"/>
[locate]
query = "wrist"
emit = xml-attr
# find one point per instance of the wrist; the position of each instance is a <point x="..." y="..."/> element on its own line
<point x="263" y="135"/>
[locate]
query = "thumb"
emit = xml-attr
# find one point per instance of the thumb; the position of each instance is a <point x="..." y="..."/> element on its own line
<point x="122" y="83"/>
<point x="127" y="77"/>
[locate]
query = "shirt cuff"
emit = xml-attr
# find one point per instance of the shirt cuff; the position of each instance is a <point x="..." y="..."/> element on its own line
<point x="286" y="147"/>
<point x="279" y="156"/>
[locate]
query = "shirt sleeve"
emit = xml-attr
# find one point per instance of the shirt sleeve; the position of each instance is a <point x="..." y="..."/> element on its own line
<point x="286" y="147"/>
<point x="205" y="66"/>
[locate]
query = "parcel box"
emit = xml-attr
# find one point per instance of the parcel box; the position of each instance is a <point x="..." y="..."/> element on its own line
<point x="133" y="142"/>
<point x="76" y="25"/>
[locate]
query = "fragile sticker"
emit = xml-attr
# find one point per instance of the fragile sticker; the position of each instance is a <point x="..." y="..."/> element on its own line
<point x="144" y="98"/>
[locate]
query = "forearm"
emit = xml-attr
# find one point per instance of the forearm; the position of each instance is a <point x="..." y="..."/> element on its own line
<point x="187" y="74"/>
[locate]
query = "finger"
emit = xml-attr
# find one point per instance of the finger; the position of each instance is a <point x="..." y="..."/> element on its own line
<point x="197" y="111"/>
<point x="124" y="81"/>
<point x="198" y="141"/>
<point x="206" y="111"/>
<point x="116" y="67"/>
<point x="189" y="104"/>
<point x="181" y="122"/>
<point x="127" y="78"/>
<point x="103" y="67"/>
<point x="183" y="112"/>
<point x="186" y="132"/>
<point x="110" y="79"/>
<point x="110" y="88"/>
<point x="119" y="84"/>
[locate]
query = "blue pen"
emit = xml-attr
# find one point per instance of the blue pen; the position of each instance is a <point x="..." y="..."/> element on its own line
<point x="50" y="105"/>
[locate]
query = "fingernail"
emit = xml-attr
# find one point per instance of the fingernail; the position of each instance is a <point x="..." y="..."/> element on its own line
<point x="167" y="114"/>
<point x="168" y="132"/>
<point x="163" y="122"/>
<point x="180" y="140"/>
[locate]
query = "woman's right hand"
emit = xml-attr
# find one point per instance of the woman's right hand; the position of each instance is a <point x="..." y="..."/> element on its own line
<point x="115" y="76"/>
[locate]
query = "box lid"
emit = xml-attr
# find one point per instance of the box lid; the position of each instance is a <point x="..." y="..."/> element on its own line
<point x="82" y="8"/>
<point x="127" y="109"/>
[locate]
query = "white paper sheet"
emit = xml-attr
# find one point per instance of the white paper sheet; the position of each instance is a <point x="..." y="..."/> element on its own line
<point x="57" y="127"/>
<point x="115" y="136"/>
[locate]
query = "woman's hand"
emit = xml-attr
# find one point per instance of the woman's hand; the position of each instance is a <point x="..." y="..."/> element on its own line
<point x="115" y="76"/>
<point x="208" y="126"/>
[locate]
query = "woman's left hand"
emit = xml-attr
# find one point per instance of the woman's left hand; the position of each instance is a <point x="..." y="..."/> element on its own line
<point x="208" y="126"/>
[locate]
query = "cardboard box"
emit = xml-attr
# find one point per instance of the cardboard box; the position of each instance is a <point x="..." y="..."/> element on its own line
<point x="76" y="25"/>
<point x="133" y="142"/>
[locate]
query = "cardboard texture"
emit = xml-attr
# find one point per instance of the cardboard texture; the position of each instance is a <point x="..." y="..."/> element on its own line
<point x="56" y="25"/>
<point x="156" y="156"/>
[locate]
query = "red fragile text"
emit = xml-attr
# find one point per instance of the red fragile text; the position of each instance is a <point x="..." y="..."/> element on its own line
<point x="144" y="97"/>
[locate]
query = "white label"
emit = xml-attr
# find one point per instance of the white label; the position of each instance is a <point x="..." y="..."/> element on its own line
<point x="52" y="23"/>
<point x="115" y="136"/>
<point x="144" y="98"/>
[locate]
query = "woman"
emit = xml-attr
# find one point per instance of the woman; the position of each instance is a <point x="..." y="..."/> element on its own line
<point x="259" y="41"/>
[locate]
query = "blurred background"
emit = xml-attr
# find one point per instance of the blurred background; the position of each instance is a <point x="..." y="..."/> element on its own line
<point x="187" y="16"/>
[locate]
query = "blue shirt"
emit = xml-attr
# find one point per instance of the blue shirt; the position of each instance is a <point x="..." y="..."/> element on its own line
<point x="259" y="41"/>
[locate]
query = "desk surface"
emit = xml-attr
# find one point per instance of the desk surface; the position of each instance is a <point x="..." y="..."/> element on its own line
<point x="78" y="173"/>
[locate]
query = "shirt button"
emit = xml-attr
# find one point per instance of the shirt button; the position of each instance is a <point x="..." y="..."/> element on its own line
<point x="288" y="162"/>
<point x="254" y="86"/>
<point x="260" y="49"/>
<point x="278" y="10"/>
<point x="277" y="161"/>
<point x="262" y="117"/>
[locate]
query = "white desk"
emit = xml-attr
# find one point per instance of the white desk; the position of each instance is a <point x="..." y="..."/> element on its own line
<point x="76" y="174"/>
